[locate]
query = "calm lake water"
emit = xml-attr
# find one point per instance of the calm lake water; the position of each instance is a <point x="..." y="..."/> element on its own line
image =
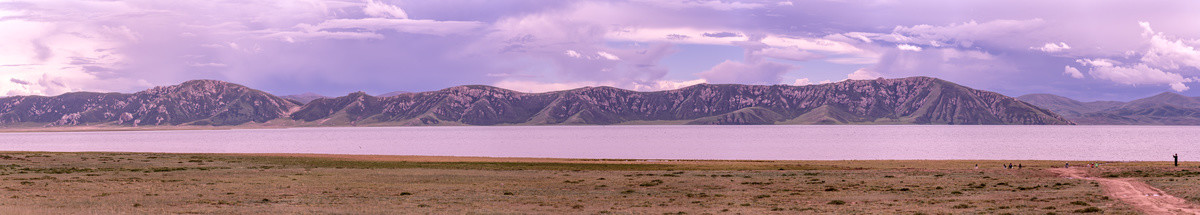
<point x="776" y="142"/>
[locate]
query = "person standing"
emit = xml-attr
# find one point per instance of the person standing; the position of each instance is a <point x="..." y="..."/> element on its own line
<point x="1176" y="156"/>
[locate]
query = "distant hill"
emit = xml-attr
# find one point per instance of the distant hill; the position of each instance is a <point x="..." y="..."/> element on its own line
<point x="915" y="100"/>
<point x="305" y="97"/>
<point x="1166" y="108"/>
<point x="198" y="102"/>
<point x="1067" y="107"/>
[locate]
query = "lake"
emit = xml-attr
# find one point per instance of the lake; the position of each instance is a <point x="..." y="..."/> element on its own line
<point x="771" y="142"/>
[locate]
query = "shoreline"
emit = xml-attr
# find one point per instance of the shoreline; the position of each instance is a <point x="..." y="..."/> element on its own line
<point x="744" y="163"/>
<point x="33" y="129"/>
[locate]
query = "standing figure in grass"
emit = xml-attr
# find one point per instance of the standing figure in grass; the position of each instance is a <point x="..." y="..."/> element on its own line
<point x="1176" y="156"/>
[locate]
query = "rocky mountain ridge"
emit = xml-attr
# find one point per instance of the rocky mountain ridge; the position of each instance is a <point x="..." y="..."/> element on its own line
<point x="198" y="102"/>
<point x="915" y="100"/>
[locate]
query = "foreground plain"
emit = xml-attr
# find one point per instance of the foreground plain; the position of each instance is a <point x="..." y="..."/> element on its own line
<point x="44" y="182"/>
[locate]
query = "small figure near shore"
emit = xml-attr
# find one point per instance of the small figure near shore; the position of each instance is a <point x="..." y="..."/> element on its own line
<point x="1019" y="166"/>
<point x="1176" y="156"/>
<point x="976" y="166"/>
<point x="1068" y="165"/>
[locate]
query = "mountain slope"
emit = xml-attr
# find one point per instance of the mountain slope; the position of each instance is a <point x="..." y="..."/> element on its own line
<point x="1163" y="109"/>
<point x="1068" y="107"/>
<point x="198" y="102"/>
<point x="917" y="100"/>
<point x="304" y="98"/>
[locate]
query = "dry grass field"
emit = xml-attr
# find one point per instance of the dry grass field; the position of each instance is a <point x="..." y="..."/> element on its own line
<point x="139" y="183"/>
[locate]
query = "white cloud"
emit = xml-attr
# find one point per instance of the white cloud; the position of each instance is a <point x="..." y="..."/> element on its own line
<point x="1073" y="72"/>
<point x="415" y="26"/>
<point x="1166" y="53"/>
<point x="665" y="85"/>
<point x="907" y="47"/>
<point x="802" y="82"/>
<point x="1052" y="47"/>
<point x="675" y="35"/>
<point x="540" y="87"/>
<point x="208" y="65"/>
<point x="863" y="74"/>
<point x="293" y="36"/>
<point x="42" y="57"/>
<point x="573" y="53"/>
<point x="785" y="3"/>
<point x="710" y="4"/>
<point x="1011" y="32"/>
<point x="607" y="55"/>
<point x="1140" y="73"/>
<point x="754" y="72"/>
<point x="788" y="54"/>
<point x="380" y="9"/>
<point x="815" y="44"/>
<point x="383" y="17"/>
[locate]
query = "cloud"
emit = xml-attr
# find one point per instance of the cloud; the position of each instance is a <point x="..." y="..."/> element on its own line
<point x="1003" y="33"/>
<point x="541" y="87"/>
<point x="863" y="74"/>
<point x="816" y="44"/>
<point x="607" y="56"/>
<point x="788" y="54"/>
<point x="19" y="81"/>
<point x="1107" y="69"/>
<point x="573" y="53"/>
<point x="1052" y="47"/>
<point x="785" y="3"/>
<point x="674" y="35"/>
<point x="801" y="82"/>
<point x="293" y="36"/>
<point x="762" y="72"/>
<point x="1073" y="72"/>
<point x="907" y="47"/>
<point x="722" y="34"/>
<point x="380" y="9"/>
<point x="1166" y="53"/>
<point x="708" y="4"/>
<point x="414" y="26"/>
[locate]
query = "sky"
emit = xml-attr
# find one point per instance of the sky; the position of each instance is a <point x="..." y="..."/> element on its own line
<point x="1083" y="49"/>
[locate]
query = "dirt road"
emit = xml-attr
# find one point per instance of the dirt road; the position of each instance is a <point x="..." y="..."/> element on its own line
<point x="1142" y="196"/>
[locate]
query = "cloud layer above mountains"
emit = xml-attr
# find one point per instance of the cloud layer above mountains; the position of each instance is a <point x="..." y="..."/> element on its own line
<point x="1083" y="49"/>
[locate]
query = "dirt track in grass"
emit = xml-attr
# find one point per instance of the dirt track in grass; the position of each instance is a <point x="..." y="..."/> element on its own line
<point x="1141" y="196"/>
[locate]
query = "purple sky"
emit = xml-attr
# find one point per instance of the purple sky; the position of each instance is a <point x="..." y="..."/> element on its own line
<point x="1088" y="50"/>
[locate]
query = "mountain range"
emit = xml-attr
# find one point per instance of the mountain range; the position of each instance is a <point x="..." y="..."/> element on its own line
<point x="1166" y="108"/>
<point x="914" y="100"/>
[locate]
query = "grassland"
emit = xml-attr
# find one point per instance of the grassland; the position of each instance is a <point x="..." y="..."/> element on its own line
<point x="39" y="183"/>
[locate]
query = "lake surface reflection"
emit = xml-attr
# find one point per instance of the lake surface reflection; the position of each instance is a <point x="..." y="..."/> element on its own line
<point x="774" y="142"/>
